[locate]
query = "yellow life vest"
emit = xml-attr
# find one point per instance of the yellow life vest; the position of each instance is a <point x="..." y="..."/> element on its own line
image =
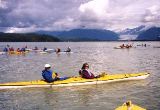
<point x="54" y="75"/>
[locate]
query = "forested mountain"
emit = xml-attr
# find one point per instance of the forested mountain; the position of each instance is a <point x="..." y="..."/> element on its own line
<point x="30" y="37"/>
<point x="84" y="35"/>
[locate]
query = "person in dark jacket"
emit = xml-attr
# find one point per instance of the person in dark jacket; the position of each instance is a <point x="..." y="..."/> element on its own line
<point x="5" y="49"/>
<point x="44" y="49"/>
<point x="86" y="73"/>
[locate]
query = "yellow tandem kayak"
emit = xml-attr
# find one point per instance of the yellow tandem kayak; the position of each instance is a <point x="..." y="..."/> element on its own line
<point x="129" y="106"/>
<point x="17" y="53"/>
<point x="105" y="78"/>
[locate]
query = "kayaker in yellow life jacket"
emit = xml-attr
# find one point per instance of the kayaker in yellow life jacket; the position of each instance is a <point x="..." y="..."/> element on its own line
<point x="51" y="76"/>
<point x="48" y="74"/>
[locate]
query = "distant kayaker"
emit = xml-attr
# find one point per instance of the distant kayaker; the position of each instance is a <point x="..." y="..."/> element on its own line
<point x="51" y="76"/>
<point x="23" y="49"/>
<point x="122" y="46"/>
<point x="11" y="49"/>
<point x="44" y="49"/>
<point x="68" y="49"/>
<point x="86" y="73"/>
<point x="5" y="49"/>
<point x="35" y="48"/>
<point x="128" y="46"/>
<point x="18" y="50"/>
<point x="58" y="50"/>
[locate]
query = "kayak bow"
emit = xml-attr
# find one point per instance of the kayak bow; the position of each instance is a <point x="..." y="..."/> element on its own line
<point x="106" y="78"/>
<point x="129" y="106"/>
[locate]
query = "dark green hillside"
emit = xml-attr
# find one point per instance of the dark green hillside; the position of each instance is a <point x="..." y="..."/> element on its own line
<point x="31" y="37"/>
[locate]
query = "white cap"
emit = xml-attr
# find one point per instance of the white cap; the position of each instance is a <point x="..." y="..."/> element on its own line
<point x="47" y="65"/>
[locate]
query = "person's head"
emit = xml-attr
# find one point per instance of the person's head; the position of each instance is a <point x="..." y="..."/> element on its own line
<point x="47" y="66"/>
<point x="85" y="66"/>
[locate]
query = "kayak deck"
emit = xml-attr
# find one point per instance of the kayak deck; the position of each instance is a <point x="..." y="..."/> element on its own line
<point x="77" y="81"/>
<point x="129" y="106"/>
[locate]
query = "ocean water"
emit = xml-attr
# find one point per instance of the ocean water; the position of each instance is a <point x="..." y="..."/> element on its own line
<point x="101" y="57"/>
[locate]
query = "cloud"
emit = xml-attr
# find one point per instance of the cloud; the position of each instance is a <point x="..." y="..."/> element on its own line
<point x="97" y="7"/>
<point x="3" y="4"/>
<point x="114" y="14"/>
<point x="152" y="14"/>
<point x="43" y="14"/>
<point x="33" y="15"/>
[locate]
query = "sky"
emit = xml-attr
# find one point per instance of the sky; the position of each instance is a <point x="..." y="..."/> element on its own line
<point x="23" y="16"/>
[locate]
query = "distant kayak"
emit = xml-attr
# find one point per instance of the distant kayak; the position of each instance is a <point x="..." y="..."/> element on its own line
<point x="46" y="52"/>
<point x="49" y="50"/>
<point x="17" y="53"/>
<point x="13" y="53"/>
<point x="118" y="48"/>
<point x="64" y="52"/>
<point x="73" y="81"/>
<point x="156" y="47"/>
<point x="2" y="53"/>
<point x="28" y="49"/>
<point x="43" y="52"/>
<point x="121" y="48"/>
<point x="129" y="106"/>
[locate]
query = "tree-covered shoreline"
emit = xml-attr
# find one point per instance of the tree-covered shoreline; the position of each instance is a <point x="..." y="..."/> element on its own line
<point x="29" y="37"/>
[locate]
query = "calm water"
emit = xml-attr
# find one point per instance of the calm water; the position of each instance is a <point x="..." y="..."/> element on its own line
<point x="102" y="57"/>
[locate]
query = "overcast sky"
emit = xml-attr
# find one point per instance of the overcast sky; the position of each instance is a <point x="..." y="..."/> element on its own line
<point x="34" y="15"/>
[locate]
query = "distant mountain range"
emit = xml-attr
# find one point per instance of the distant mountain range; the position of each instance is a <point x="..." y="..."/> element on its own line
<point x="151" y="33"/>
<point x="84" y="35"/>
<point x="139" y="33"/>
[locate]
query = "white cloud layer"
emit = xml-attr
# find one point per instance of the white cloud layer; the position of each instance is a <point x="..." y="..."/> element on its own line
<point x="34" y="15"/>
<point x="118" y="14"/>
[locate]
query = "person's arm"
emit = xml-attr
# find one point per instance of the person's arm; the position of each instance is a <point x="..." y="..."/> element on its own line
<point x="57" y="75"/>
<point x="80" y="73"/>
<point x="92" y="75"/>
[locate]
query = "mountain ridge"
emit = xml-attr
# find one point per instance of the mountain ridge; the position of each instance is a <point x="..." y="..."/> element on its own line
<point x="152" y="33"/>
<point x="84" y="35"/>
<point x="133" y="31"/>
<point x="139" y="33"/>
